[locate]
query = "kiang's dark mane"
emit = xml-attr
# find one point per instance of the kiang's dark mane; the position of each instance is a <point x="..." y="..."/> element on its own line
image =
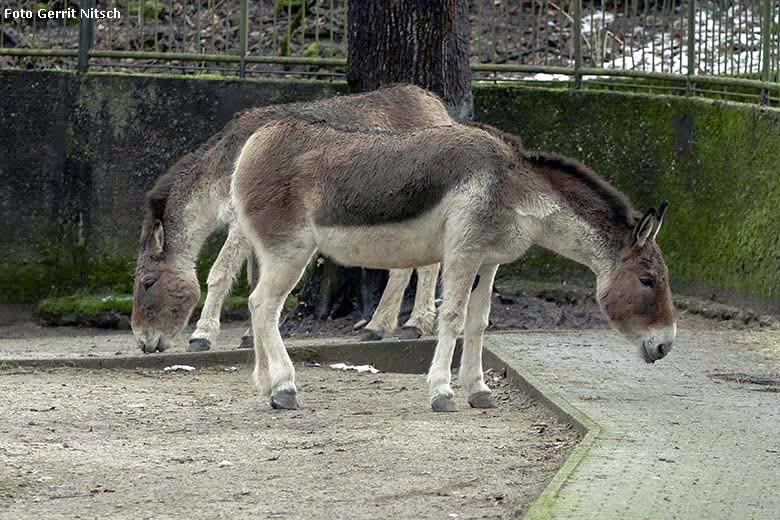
<point x="622" y="212"/>
<point x="157" y="197"/>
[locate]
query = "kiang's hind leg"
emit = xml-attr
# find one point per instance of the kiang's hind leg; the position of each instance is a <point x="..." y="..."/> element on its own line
<point x="280" y="270"/>
<point x="423" y="318"/>
<point x="477" y="317"/>
<point x="422" y="322"/>
<point x="252" y="275"/>
<point x="385" y="317"/>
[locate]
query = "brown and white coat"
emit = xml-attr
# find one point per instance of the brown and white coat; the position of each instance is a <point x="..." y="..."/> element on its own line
<point x="192" y="200"/>
<point x="467" y="196"/>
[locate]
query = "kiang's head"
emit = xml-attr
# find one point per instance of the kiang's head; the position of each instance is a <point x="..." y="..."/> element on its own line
<point x="165" y="292"/>
<point x="635" y="295"/>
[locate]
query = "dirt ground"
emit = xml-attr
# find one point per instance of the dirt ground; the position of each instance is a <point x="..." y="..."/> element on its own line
<point x="147" y="444"/>
<point x="507" y="312"/>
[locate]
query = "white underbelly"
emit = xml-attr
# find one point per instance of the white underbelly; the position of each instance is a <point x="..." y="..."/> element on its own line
<point x="405" y="244"/>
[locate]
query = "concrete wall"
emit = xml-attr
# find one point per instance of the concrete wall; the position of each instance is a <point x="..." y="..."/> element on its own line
<point x="717" y="163"/>
<point x="77" y="154"/>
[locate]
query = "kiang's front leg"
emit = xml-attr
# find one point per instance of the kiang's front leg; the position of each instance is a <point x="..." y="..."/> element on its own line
<point x="422" y="322"/>
<point x="385" y="316"/>
<point x="274" y="372"/>
<point x="220" y="281"/>
<point x="458" y="277"/>
<point x="477" y="318"/>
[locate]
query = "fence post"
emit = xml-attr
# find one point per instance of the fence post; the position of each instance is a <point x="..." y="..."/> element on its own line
<point x="577" y="44"/>
<point x="244" y="21"/>
<point x="766" y="42"/>
<point x="86" y="34"/>
<point x="691" y="46"/>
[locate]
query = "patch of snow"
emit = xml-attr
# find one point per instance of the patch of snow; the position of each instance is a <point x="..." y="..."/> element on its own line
<point x="358" y="368"/>
<point x="543" y="76"/>
<point x="726" y="42"/>
<point x="598" y="19"/>
<point x="179" y="368"/>
<point x="111" y="298"/>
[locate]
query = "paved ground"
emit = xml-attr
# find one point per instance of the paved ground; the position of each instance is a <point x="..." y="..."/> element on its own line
<point x="697" y="435"/>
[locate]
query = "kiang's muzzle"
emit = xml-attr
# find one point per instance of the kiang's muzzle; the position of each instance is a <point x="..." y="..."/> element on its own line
<point x="658" y="344"/>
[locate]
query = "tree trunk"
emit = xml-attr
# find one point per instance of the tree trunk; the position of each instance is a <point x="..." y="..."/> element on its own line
<point x="424" y="42"/>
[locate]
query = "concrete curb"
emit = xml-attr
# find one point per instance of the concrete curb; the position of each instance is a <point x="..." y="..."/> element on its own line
<point x="404" y="356"/>
<point x="583" y="424"/>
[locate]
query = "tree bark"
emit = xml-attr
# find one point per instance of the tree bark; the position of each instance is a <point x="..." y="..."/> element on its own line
<point x="424" y="42"/>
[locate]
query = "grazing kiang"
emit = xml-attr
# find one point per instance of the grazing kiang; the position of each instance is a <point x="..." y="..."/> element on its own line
<point x="192" y="200"/>
<point x="467" y="196"/>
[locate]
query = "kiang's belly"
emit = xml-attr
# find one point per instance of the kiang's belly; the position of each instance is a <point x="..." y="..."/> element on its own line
<point x="383" y="246"/>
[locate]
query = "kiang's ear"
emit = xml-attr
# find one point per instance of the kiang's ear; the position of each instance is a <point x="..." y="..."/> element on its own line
<point x="157" y="239"/>
<point x="644" y="227"/>
<point x="659" y="217"/>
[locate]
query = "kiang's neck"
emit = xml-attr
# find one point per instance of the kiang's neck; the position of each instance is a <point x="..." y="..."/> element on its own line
<point x="190" y="221"/>
<point x="569" y="234"/>
<point x="586" y="213"/>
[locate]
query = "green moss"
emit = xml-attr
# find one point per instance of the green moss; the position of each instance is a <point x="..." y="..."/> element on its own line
<point x="87" y="305"/>
<point x="112" y="96"/>
<point x="664" y="87"/>
<point x="213" y="76"/>
<point x="313" y="50"/>
<point x="113" y="274"/>
<point x="21" y="283"/>
<point x="290" y="303"/>
<point x="234" y="303"/>
<point x="715" y="161"/>
<point x="55" y="275"/>
<point x="542" y="265"/>
<point x="151" y="9"/>
<point x="207" y="257"/>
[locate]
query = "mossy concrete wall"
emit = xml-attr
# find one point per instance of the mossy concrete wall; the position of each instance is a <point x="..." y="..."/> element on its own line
<point x="77" y="153"/>
<point x="716" y="162"/>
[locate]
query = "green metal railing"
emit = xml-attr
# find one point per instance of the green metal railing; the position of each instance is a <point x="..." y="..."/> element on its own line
<point x="711" y="47"/>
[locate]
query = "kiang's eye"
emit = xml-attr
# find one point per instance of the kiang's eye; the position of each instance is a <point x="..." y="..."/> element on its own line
<point x="149" y="283"/>
<point x="647" y="281"/>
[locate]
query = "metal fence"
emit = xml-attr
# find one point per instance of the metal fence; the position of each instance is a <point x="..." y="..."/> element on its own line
<point x="716" y="47"/>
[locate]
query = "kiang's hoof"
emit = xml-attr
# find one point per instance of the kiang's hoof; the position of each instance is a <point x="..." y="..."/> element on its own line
<point x="148" y="349"/>
<point x="410" y="333"/>
<point x="284" y="400"/>
<point x="443" y="404"/>
<point x="482" y="400"/>
<point x="247" y="342"/>
<point x="370" y="335"/>
<point x="199" y="345"/>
